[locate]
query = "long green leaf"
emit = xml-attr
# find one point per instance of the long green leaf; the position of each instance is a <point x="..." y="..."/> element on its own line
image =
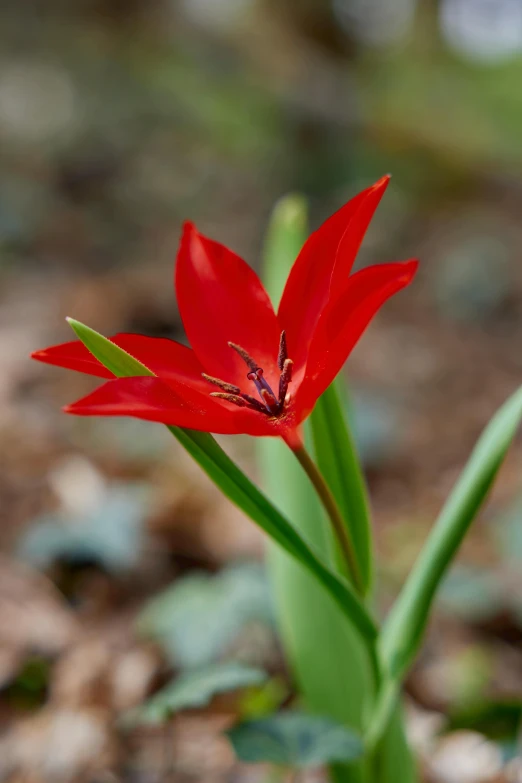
<point x="324" y="651"/>
<point x="333" y="443"/>
<point x="340" y="466"/>
<point x="236" y="486"/>
<point x="285" y="237"/>
<point x="407" y="620"/>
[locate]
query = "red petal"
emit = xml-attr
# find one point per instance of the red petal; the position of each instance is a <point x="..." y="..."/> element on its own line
<point x="74" y="356"/>
<point x="177" y="404"/>
<point x="163" y="357"/>
<point x="323" y="265"/>
<point x="155" y="400"/>
<point x="221" y="299"/>
<point x="343" y="323"/>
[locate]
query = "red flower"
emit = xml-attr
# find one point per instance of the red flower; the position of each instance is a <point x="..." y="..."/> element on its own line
<point x="249" y="370"/>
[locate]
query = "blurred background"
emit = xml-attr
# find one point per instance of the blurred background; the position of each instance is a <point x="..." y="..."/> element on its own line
<point x="122" y="567"/>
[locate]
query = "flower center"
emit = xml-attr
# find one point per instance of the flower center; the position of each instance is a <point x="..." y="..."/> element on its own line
<point x="270" y="404"/>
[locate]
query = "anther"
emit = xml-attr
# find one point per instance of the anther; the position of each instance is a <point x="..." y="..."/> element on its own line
<point x="253" y="403"/>
<point x="228" y="387"/>
<point x="270" y="401"/>
<point x="284" y="380"/>
<point x="283" y="351"/>
<point x="234" y="398"/>
<point x="245" y="356"/>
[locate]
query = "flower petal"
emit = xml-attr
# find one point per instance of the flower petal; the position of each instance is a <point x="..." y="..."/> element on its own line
<point x="179" y="404"/>
<point x="322" y="266"/>
<point x="155" y="399"/>
<point x="345" y="320"/>
<point x="73" y="356"/>
<point x="165" y="358"/>
<point x="221" y="299"/>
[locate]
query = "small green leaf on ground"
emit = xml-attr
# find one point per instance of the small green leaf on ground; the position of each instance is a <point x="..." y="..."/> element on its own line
<point x="294" y="739"/>
<point x="196" y="689"/>
<point x="200" y="616"/>
<point x="111" y="533"/>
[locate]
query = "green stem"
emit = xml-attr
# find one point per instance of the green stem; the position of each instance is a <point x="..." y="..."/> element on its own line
<point x="327" y="499"/>
<point x="386" y="702"/>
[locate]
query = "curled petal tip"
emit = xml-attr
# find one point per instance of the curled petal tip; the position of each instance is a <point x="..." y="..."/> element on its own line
<point x="189" y="228"/>
<point x="382" y="183"/>
<point x="75" y="408"/>
<point x="411" y="267"/>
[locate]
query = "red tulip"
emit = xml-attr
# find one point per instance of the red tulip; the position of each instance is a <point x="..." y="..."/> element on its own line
<point x="249" y="370"/>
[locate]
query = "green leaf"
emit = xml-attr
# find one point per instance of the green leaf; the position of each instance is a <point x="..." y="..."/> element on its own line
<point x="285" y="237"/>
<point x="497" y="720"/>
<point x="340" y="465"/>
<point x="407" y="620"/>
<point x="196" y="689"/>
<point x="324" y="651"/>
<point x="110" y="533"/>
<point x="294" y="739"/>
<point x="237" y="487"/>
<point x="200" y="615"/>
<point x="115" y="359"/>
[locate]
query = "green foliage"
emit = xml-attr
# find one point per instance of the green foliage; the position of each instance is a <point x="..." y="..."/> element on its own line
<point x="406" y="91"/>
<point x="265" y="700"/>
<point x="340" y="465"/>
<point x="198" y="618"/>
<point x="497" y="720"/>
<point x="324" y="650"/>
<point x="110" y="534"/>
<point x="114" y="358"/>
<point x="404" y="628"/>
<point x="196" y="689"/>
<point x="294" y="739"/>
<point x="28" y="690"/>
<point x="238" y="488"/>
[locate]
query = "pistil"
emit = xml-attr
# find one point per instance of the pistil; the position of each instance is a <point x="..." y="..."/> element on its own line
<point x="256" y="376"/>
<point x="270" y="404"/>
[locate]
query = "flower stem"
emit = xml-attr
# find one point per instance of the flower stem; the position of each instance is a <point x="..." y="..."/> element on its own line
<point x="338" y="524"/>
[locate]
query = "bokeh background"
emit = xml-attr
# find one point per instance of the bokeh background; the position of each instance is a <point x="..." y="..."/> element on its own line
<point x="117" y="121"/>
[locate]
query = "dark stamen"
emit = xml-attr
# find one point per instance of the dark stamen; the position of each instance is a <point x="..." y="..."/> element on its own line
<point x="284" y="380"/>
<point x="239" y="401"/>
<point x="245" y="356"/>
<point x="283" y="351"/>
<point x="270" y="405"/>
<point x="254" y="403"/>
<point x="228" y="387"/>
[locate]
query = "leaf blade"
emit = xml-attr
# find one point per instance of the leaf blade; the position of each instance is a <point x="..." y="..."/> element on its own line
<point x="294" y="739"/>
<point x="340" y="465"/>
<point x="323" y="650"/>
<point x="237" y="486"/>
<point x="407" y="620"/>
<point x="196" y="689"/>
